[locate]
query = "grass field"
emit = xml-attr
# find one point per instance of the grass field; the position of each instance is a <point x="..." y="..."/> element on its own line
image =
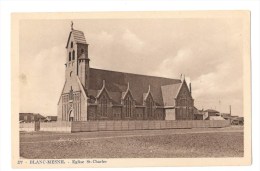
<point x="217" y="142"/>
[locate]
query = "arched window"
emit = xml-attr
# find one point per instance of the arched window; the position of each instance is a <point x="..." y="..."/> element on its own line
<point x="103" y="106"/>
<point x="70" y="56"/>
<point x="70" y="73"/>
<point x="149" y="106"/>
<point x="128" y="105"/>
<point x="73" y="55"/>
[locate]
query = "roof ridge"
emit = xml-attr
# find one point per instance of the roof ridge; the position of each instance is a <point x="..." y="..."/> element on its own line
<point x="136" y="74"/>
<point x="175" y="84"/>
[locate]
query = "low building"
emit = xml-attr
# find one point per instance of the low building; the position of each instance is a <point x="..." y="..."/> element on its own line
<point x="50" y="119"/>
<point x="236" y="120"/>
<point x="212" y="112"/>
<point x="226" y="116"/>
<point x="30" y="117"/>
<point x="215" y="118"/>
<point x="200" y="114"/>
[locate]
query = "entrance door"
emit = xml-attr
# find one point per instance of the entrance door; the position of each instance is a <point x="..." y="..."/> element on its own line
<point x="71" y="115"/>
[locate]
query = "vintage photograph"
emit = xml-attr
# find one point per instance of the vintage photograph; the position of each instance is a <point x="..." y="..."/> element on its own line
<point x="101" y="86"/>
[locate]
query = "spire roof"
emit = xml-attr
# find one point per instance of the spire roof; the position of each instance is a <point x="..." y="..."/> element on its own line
<point x="78" y="37"/>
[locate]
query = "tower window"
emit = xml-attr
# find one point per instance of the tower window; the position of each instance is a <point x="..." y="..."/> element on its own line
<point x="71" y="44"/>
<point x="73" y="55"/>
<point x="71" y="93"/>
<point x="70" y="56"/>
<point x="70" y="73"/>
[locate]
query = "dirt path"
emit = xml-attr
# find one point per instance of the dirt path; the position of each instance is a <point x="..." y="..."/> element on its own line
<point x="110" y="135"/>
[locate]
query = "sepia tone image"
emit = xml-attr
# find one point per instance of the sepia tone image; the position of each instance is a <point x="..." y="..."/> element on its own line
<point x="151" y="86"/>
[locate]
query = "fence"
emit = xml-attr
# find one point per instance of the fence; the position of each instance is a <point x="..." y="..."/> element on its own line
<point x="59" y="126"/>
<point x="89" y="126"/>
<point x="28" y="127"/>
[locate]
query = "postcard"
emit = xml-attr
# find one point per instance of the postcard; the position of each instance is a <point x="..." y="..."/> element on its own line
<point x="131" y="89"/>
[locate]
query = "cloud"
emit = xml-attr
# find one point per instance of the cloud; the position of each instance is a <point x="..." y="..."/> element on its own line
<point x="123" y="51"/>
<point x="41" y="81"/>
<point x="217" y="83"/>
<point x="104" y="38"/>
<point x="212" y="80"/>
<point x="219" y="89"/>
<point x="173" y="66"/>
<point x="132" y="42"/>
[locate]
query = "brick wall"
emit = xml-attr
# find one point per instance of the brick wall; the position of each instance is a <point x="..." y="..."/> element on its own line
<point x="92" y="109"/>
<point x="139" y="113"/>
<point x="159" y="114"/>
<point x="117" y="111"/>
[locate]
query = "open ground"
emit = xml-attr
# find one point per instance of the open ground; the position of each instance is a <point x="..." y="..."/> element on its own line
<point x="168" y="143"/>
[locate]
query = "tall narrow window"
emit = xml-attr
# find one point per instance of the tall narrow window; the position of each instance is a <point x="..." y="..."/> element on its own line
<point x="128" y="105"/>
<point x="70" y="56"/>
<point x="103" y="106"/>
<point x="149" y="106"/>
<point x="71" y="94"/>
<point x="71" y="44"/>
<point x="73" y="55"/>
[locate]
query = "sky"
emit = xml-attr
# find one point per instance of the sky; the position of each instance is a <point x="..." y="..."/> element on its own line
<point x="208" y="51"/>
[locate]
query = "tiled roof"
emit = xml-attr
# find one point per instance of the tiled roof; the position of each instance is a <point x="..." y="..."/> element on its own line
<point x="198" y="112"/>
<point x="169" y="92"/>
<point x="78" y="37"/>
<point x="211" y="111"/>
<point x="31" y="114"/>
<point x="117" y="82"/>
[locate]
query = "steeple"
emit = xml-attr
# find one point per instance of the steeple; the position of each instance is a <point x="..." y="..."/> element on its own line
<point x="77" y="61"/>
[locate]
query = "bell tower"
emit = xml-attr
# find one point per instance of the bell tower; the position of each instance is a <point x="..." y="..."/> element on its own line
<point x="70" y="106"/>
<point x="77" y="61"/>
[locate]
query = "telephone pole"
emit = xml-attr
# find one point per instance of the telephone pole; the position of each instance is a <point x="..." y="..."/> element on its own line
<point x="219" y="102"/>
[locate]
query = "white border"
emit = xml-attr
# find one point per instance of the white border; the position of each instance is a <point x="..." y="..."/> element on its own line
<point x="7" y="7"/>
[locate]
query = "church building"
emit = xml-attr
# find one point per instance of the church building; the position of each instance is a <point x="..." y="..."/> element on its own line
<point x="97" y="94"/>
